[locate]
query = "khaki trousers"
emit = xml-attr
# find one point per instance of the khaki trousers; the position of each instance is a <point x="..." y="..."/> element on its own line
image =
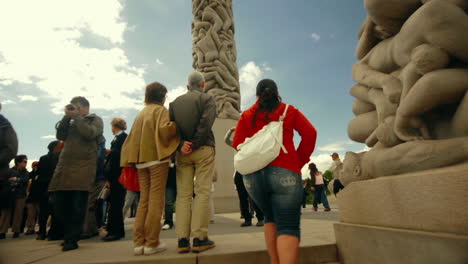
<point x="33" y="213"/>
<point x="17" y="217"/>
<point x="152" y="194"/>
<point x="194" y="169"/>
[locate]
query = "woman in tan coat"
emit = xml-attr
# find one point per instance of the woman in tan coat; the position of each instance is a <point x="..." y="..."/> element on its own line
<point x="148" y="147"/>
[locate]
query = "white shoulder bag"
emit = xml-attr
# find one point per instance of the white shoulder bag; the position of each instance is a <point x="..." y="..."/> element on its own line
<point x="262" y="148"/>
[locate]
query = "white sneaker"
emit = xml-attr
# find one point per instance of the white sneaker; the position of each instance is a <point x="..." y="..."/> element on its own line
<point x="150" y="251"/>
<point x="138" y="251"/>
<point x="166" y="227"/>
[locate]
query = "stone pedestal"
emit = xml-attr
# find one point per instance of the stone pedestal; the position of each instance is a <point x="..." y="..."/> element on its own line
<point x="419" y="217"/>
<point x="225" y="195"/>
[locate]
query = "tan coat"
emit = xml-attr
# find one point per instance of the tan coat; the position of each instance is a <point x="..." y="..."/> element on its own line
<point x="153" y="137"/>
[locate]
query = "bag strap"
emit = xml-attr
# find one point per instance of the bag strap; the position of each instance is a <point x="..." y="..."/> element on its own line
<point x="284" y="113"/>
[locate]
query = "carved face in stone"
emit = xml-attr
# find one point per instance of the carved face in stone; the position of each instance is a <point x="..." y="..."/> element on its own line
<point x="352" y="170"/>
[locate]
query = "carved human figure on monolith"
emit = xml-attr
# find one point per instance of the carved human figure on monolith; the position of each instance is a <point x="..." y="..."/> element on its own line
<point x="214" y="53"/>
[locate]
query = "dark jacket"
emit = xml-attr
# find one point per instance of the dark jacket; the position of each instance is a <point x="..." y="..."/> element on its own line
<point x="114" y="170"/>
<point x="8" y="146"/>
<point x="21" y="183"/>
<point x="76" y="168"/>
<point x="34" y="192"/>
<point x="45" y="171"/>
<point x="101" y="160"/>
<point x="194" y="114"/>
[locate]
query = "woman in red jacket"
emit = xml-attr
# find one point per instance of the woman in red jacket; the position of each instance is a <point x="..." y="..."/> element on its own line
<point x="277" y="188"/>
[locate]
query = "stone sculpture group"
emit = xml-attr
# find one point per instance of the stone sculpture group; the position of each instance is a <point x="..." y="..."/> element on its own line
<point x="215" y="54"/>
<point x="411" y="100"/>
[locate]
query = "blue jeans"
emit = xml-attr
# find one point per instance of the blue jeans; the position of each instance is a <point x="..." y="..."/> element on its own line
<point x="278" y="193"/>
<point x="320" y="196"/>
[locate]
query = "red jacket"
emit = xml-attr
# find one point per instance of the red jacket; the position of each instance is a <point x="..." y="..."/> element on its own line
<point x="294" y="120"/>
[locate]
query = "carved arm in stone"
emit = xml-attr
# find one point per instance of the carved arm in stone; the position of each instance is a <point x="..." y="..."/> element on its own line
<point x="403" y="158"/>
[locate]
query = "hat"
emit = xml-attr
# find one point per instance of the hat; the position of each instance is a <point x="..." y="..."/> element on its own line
<point x="35" y="163"/>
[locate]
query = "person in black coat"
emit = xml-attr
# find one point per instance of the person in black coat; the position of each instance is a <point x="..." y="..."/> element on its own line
<point x="45" y="171"/>
<point x="8" y="150"/>
<point x="18" y="180"/>
<point x="115" y="224"/>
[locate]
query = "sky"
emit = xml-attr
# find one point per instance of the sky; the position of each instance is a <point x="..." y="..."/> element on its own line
<point x="108" y="50"/>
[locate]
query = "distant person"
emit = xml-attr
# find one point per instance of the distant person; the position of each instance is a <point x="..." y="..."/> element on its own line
<point x="18" y="179"/>
<point x="76" y="168"/>
<point x="305" y="194"/>
<point x="149" y="147"/>
<point x="115" y="221"/>
<point x="244" y="200"/>
<point x="32" y="200"/>
<point x="45" y="171"/>
<point x="8" y="151"/>
<point x="171" y="194"/>
<point x="334" y="169"/>
<point x="90" y="225"/>
<point x="194" y="113"/>
<point x="277" y="188"/>
<point x="319" y="188"/>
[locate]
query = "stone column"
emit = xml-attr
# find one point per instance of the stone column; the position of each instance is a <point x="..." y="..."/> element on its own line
<point x="214" y="53"/>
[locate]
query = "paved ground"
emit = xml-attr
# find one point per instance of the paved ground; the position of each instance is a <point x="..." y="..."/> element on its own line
<point x="317" y="229"/>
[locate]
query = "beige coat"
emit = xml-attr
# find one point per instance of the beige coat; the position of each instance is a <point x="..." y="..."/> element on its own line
<point x="153" y="137"/>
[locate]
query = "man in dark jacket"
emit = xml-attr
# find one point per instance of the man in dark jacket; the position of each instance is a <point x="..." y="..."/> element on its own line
<point x="194" y="114"/>
<point x="90" y="227"/>
<point x="45" y="171"/>
<point x="8" y="150"/>
<point x="115" y="222"/>
<point x="18" y="180"/>
<point x="76" y="169"/>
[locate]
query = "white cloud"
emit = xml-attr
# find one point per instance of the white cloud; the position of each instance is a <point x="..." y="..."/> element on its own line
<point x="8" y="101"/>
<point x="47" y="52"/>
<point x="48" y="137"/>
<point x="27" y="98"/>
<point x="174" y="93"/>
<point x="249" y="75"/>
<point x="315" y="36"/>
<point x="336" y="146"/>
<point x="159" y="62"/>
<point x="322" y="161"/>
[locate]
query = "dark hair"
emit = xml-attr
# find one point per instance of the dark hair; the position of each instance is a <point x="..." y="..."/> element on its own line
<point x="155" y="93"/>
<point x="81" y="100"/>
<point x="52" y="145"/>
<point x="268" y="98"/>
<point x="313" y="169"/>
<point x="20" y="158"/>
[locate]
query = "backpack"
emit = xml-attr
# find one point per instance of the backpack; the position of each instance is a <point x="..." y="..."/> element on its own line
<point x="262" y="148"/>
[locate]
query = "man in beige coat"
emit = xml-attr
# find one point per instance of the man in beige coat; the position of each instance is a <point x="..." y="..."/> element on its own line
<point x="76" y="168"/>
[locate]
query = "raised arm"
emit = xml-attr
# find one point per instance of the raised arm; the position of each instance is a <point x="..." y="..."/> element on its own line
<point x="89" y="131"/>
<point x="62" y="128"/>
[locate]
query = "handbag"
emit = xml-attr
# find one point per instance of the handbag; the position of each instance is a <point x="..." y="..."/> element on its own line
<point x="262" y="148"/>
<point x="129" y="179"/>
<point x="104" y="194"/>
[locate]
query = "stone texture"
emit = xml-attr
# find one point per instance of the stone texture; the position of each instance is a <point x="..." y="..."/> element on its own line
<point x="432" y="201"/>
<point x="225" y="195"/>
<point x="412" y="88"/>
<point x="359" y="244"/>
<point x="214" y="53"/>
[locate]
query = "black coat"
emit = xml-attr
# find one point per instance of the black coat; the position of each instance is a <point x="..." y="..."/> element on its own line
<point x="21" y="183"/>
<point x="8" y="147"/>
<point x="45" y="171"/>
<point x="113" y="169"/>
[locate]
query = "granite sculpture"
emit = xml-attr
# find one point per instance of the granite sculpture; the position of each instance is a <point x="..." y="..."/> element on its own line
<point x="214" y="54"/>
<point x="411" y="100"/>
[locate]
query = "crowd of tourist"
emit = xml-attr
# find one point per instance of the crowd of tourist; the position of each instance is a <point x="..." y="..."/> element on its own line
<point x="166" y="160"/>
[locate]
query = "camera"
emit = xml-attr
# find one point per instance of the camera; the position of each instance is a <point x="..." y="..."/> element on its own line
<point x="70" y="107"/>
